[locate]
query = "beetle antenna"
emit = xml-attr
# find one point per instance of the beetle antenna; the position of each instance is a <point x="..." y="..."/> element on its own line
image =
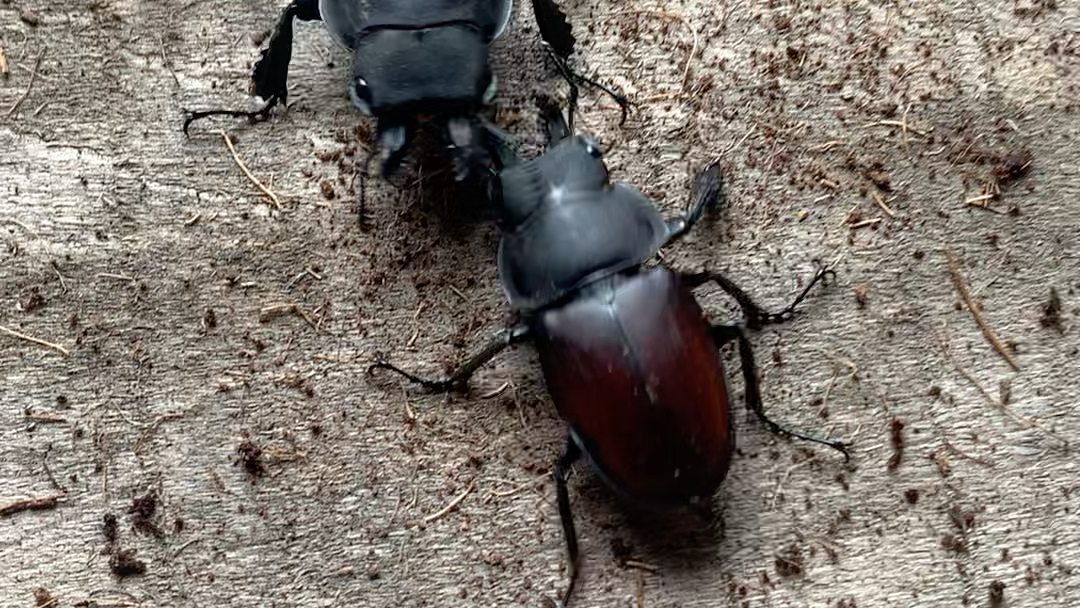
<point x="361" y="195"/>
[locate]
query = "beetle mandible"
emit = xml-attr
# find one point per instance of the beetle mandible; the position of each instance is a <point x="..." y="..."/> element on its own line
<point x="414" y="58"/>
<point x="629" y="359"/>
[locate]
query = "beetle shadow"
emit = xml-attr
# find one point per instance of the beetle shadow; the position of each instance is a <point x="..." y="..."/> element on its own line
<point x="426" y="187"/>
<point x="638" y="537"/>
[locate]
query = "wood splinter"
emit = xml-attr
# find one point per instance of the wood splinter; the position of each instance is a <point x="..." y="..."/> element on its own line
<point x="30" y="504"/>
<point x="965" y="295"/>
<point x="240" y="163"/>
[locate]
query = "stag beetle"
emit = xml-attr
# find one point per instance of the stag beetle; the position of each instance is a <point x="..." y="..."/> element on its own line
<point x="414" y="58"/>
<point x="629" y="359"/>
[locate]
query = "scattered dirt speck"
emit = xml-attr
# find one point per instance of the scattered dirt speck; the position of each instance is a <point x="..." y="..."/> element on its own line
<point x="790" y="561"/>
<point x="44" y="599"/>
<point x="1051" y="311"/>
<point x="142" y="510"/>
<point x="124" y="563"/>
<point x="896" y="436"/>
<point x="997" y="594"/>
<point x="109" y="528"/>
<point x="251" y="460"/>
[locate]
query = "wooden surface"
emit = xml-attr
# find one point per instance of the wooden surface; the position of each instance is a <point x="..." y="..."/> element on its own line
<point x="199" y="320"/>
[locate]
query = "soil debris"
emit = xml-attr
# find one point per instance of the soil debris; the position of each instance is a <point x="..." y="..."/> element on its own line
<point x="124" y="563"/>
<point x="142" y="510"/>
<point x="896" y="436"/>
<point x="109" y="528"/>
<point x="790" y="561"/>
<point x="251" y="460"/>
<point x="1051" y="315"/>
<point x="44" y="599"/>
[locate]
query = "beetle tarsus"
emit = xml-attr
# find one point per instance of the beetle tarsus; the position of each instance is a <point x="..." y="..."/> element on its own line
<point x="256" y="115"/>
<point x="571" y="454"/>
<point x="461" y="375"/>
<point x="443" y="385"/>
<point x="725" y="333"/>
<point x="575" y="80"/>
<point x="756" y="316"/>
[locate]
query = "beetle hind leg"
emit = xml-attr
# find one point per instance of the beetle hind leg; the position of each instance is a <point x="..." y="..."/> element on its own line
<point x="722" y="334"/>
<point x="571" y="454"/>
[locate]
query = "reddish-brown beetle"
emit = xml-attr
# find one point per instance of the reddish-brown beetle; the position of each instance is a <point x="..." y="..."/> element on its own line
<point x="629" y="359"/>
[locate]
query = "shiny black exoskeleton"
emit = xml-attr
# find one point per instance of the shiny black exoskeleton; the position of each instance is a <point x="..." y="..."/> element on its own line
<point x="630" y="361"/>
<point x="412" y="59"/>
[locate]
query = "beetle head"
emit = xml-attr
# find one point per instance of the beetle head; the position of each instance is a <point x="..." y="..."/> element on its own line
<point x="441" y="71"/>
<point x="573" y="168"/>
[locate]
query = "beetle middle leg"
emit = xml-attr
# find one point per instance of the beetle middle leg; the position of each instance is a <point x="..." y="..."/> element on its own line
<point x="461" y="375"/>
<point x="707" y="192"/>
<point x="571" y="454"/>
<point x="756" y="316"/>
<point x="722" y="334"/>
<point x="269" y="79"/>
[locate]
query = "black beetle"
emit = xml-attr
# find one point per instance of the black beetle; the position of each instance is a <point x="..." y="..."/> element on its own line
<point x="629" y="359"/>
<point x="414" y="58"/>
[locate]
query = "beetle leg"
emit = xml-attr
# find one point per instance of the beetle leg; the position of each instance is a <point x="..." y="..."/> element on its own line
<point x="755" y="315"/>
<point x="574" y="79"/>
<point x="571" y="453"/>
<point x="722" y="334"/>
<point x="707" y="189"/>
<point x="269" y="78"/>
<point x="506" y="337"/>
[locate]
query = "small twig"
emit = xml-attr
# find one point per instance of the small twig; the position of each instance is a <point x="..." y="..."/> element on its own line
<point x="1028" y="422"/>
<point x="829" y="145"/>
<point x="3" y="63"/>
<point x="165" y="60"/>
<point x="459" y="293"/>
<point x="29" y="85"/>
<point x="897" y="123"/>
<point x="880" y="200"/>
<point x="240" y="163"/>
<point x="631" y="563"/>
<point x="961" y="286"/>
<point x="45" y="418"/>
<point x="110" y="275"/>
<point x="865" y="223"/>
<point x="736" y="144"/>
<point x="496" y="392"/>
<point x="22" y="336"/>
<point x="185" y="546"/>
<point x="30" y="504"/>
<point x="450" y="506"/>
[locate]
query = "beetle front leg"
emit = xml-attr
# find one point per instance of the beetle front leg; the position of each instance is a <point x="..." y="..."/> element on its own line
<point x="756" y="316"/>
<point x="707" y="190"/>
<point x="571" y="454"/>
<point x="269" y="79"/>
<point x="270" y="76"/>
<point x="462" y="374"/>
<point x="556" y="32"/>
<point x="722" y="334"/>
